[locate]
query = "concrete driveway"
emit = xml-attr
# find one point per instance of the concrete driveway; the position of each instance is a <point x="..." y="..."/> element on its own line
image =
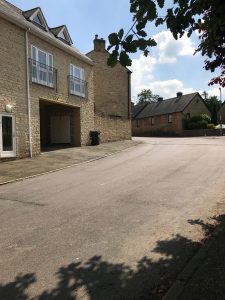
<point x="117" y="228"/>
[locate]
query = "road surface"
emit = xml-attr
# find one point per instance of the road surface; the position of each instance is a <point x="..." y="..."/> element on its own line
<point x="117" y="228"/>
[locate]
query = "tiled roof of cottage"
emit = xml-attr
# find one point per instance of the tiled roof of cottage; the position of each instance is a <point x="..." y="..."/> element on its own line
<point x="17" y="15"/>
<point x="136" y="109"/>
<point x="168" y="106"/>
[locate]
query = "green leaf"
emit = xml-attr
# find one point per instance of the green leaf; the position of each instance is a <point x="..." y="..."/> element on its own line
<point x="113" y="58"/>
<point x="142" y="33"/>
<point x="161" y="3"/>
<point x="159" y="21"/>
<point x="121" y="33"/>
<point x="124" y="59"/>
<point x="113" y="39"/>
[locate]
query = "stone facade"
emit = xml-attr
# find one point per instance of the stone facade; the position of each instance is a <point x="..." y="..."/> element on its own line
<point x="111" y="95"/>
<point x="14" y="93"/>
<point x="112" y="128"/>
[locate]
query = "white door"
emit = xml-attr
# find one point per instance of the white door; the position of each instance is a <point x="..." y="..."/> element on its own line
<point x="7" y="136"/>
<point x="60" y="130"/>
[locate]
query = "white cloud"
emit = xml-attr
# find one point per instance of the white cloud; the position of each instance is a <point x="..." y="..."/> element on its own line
<point x="168" y="49"/>
<point x="168" y="88"/>
<point x="143" y="69"/>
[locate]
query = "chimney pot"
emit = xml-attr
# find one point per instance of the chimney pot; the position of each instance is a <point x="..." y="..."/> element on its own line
<point x="179" y="94"/>
<point x="160" y="99"/>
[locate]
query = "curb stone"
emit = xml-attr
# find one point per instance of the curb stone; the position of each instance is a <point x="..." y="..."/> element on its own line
<point x="185" y="275"/>
<point x="65" y="167"/>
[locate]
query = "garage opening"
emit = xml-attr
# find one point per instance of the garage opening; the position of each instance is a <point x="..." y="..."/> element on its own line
<point x="59" y="126"/>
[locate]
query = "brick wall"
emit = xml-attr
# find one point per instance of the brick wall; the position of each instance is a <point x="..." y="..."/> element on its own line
<point x="144" y="127"/>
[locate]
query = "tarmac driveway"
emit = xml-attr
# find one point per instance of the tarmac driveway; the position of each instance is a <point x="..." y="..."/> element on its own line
<point x="118" y="228"/>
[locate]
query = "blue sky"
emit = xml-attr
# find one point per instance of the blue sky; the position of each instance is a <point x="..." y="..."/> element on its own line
<point x="171" y="66"/>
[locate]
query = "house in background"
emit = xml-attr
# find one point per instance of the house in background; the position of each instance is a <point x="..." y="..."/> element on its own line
<point x="47" y="87"/>
<point x="221" y="114"/>
<point x="166" y="117"/>
<point x="112" y="95"/>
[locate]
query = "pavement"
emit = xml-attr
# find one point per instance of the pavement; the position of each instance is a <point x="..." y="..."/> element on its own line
<point x="55" y="160"/>
<point x="202" y="275"/>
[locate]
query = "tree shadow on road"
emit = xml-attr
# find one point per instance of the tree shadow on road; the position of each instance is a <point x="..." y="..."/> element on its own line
<point x="99" y="279"/>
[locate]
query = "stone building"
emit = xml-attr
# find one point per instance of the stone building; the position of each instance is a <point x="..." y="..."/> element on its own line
<point x="47" y="88"/>
<point x="112" y="93"/>
<point x="166" y="117"/>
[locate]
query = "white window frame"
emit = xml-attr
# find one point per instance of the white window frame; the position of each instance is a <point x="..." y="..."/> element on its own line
<point x="79" y="81"/>
<point x="49" y="71"/>
<point x="170" y="118"/>
<point x="152" y="120"/>
<point x="13" y="152"/>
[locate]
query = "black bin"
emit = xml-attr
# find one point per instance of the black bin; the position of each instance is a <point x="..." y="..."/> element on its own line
<point x="95" y="138"/>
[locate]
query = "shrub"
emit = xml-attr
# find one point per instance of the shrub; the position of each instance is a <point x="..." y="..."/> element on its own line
<point x="198" y="122"/>
<point x="206" y="118"/>
<point x="210" y="126"/>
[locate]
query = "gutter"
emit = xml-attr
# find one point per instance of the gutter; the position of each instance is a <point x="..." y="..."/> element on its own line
<point x="28" y="92"/>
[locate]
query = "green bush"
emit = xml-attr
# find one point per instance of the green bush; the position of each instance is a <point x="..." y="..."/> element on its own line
<point x="198" y="122"/>
<point x="210" y="126"/>
<point x="206" y="118"/>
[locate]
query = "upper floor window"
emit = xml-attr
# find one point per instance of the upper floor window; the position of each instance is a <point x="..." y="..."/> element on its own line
<point x="42" y="67"/>
<point x="77" y="81"/>
<point x="169" y="118"/>
<point x="152" y="120"/>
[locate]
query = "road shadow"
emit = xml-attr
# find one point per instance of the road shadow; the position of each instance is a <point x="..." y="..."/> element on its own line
<point x="99" y="279"/>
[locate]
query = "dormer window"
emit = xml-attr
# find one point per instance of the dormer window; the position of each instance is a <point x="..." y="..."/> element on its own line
<point x="37" y="20"/>
<point x="36" y="16"/>
<point x="62" y="34"/>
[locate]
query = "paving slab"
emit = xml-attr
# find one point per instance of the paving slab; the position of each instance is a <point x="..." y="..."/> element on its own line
<point x="54" y="160"/>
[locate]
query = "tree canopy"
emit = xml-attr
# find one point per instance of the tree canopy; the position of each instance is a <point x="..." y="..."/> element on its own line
<point x="146" y="96"/>
<point x="214" y="105"/>
<point x="185" y="16"/>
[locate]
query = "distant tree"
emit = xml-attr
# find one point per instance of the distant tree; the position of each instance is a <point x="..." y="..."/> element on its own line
<point x="214" y="105"/>
<point x="205" y="95"/>
<point x="146" y="96"/>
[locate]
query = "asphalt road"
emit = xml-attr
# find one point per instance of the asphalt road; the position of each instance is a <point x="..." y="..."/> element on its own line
<point x="117" y="228"/>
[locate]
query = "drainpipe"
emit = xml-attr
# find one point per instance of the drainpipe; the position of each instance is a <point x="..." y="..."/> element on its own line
<point x="28" y="92"/>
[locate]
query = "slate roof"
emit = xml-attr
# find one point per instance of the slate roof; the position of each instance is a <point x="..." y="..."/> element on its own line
<point x="136" y="109"/>
<point x="168" y="106"/>
<point x="15" y="14"/>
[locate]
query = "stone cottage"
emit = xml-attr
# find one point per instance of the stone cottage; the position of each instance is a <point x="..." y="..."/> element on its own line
<point x="166" y="117"/>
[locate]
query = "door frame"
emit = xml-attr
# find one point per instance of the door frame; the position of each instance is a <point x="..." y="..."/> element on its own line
<point x="12" y="153"/>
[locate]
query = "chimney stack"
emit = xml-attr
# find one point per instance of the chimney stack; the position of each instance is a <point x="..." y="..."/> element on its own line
<point x="160" y="99"/>
<point x="99" y="44"/>
<point x="179" y="94"/>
